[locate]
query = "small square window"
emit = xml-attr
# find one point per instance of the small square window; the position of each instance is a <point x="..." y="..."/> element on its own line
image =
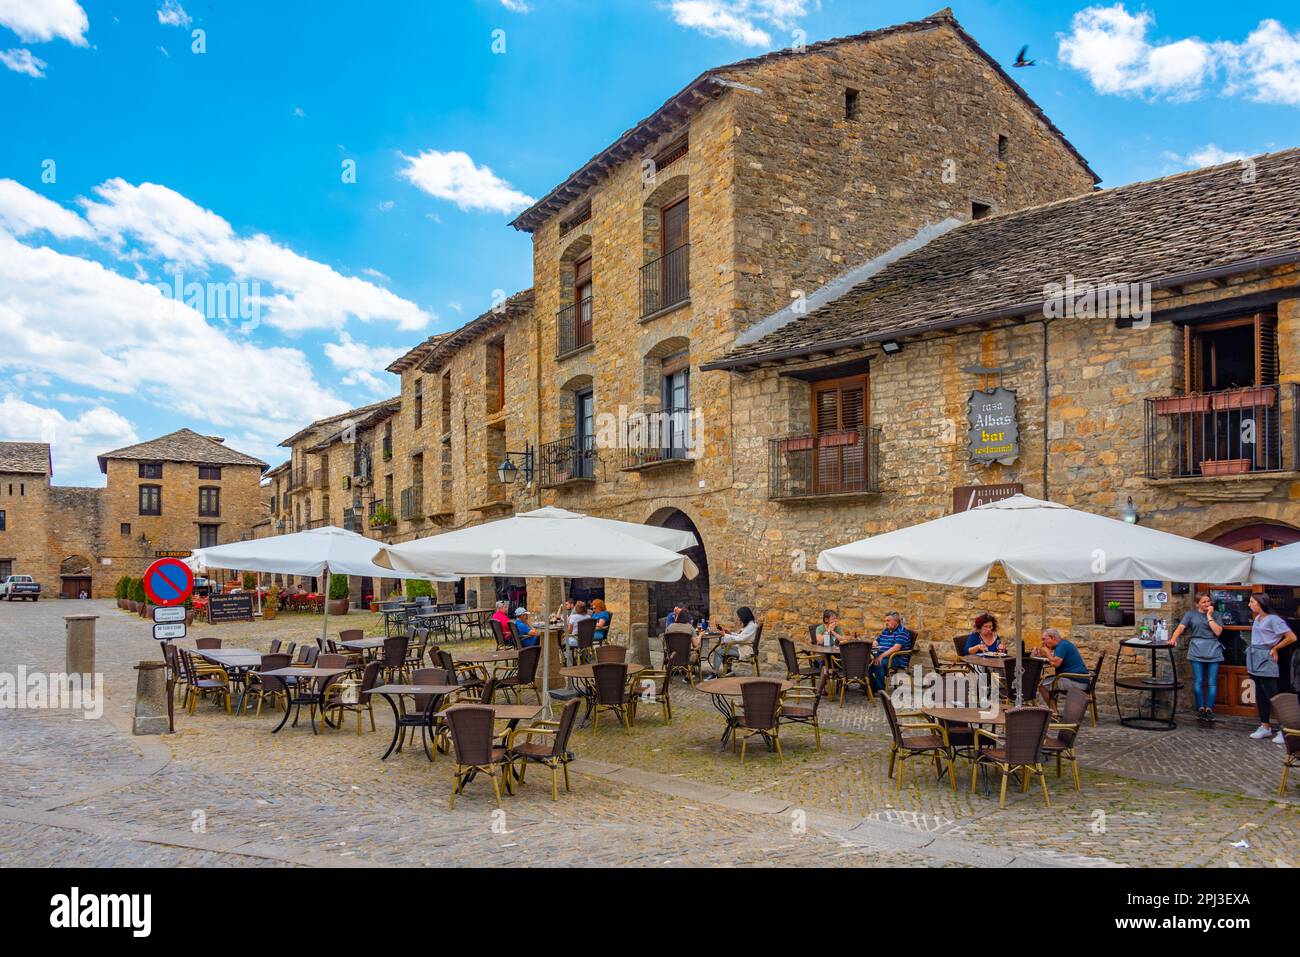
<point x="126" y="528"/>
<point x="980" y="210"/>
<point x="850" y="104"/>
<point x="1003" y="145"/>
<point x="150" y="470"/>
<point x="210" y="473"/>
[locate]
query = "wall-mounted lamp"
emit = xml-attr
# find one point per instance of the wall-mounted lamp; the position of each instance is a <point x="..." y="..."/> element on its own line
<point x="508" y="471"/>
<point x="891" y="347"/>
<point x="1129" y="513"/>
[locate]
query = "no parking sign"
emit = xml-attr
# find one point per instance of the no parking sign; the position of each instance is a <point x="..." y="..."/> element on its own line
<point x="168" y="581"/>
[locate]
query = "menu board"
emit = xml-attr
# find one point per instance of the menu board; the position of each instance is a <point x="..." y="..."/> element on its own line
<point x="230" y="608"/>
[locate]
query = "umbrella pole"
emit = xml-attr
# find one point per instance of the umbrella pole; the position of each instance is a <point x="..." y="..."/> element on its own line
<point x="547" y="650"/>
<point x="325" y="612"/>
<point x="1020" y="649"/>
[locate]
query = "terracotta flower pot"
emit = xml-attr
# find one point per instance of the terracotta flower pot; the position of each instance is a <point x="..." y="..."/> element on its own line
<point x="338" y="607"/>
<point x="1213" y="467"/>
<point x="1180" y="404"/>
<point x="1243" y="399"/>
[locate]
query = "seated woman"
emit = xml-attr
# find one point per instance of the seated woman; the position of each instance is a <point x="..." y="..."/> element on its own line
<point x="502" y="617"/>
<point x="602" y="616"/>
<point x="571" y="630"/>
<point x="892" y="636"/>
<point x="984" y="640"/>
<point x="527" y="635"/>
<point x="830" y="624"/>
<point x="732" y="642"/>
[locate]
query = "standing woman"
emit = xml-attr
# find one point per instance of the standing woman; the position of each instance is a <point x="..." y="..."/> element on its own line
<point x="1268" y="635"/>
<point x="1204" y="652"/>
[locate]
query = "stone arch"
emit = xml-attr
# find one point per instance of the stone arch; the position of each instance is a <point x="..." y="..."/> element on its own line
<point x="75" y="565"/>
<point x="693" y="594"/>
<point x="670" y="190"/>
<point x="652" y="364"/>
<point x="579" y="249"/>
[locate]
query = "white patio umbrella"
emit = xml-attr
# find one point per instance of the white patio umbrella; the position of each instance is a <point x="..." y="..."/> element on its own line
<point x="1276" y="566"/>
<point x="1036" y="543"/>
<point x="549" y="543"/>
<point x="319" y="552"/>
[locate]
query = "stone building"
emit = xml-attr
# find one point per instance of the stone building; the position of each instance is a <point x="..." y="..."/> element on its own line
<point x="170" y="495"/>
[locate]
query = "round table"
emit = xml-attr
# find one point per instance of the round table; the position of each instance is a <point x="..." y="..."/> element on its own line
<point x="966" y="715"/>
<point x="722" y="690"/>
<point x="487" y="657"/>
<point x="585" y="676"/>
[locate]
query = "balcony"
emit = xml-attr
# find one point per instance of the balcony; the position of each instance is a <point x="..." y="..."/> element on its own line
<point x="657" y="438"/>
<point x="566" y="462"/>
<point x="844" y="463"/>
<point x="573" y="327"/>
<point x="380" y="515"/>
<point x="413" y="503"/>
<point x="1215" y="435"/>
<point x="665" y="283"/>
<point x="297" y="479"/>
<point x="319" y="478"/>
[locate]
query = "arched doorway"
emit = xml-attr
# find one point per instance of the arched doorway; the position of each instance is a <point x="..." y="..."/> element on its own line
<point x="1235" y="693"/>
<point x="691" y="594"/>
<point x="75" y="577"/>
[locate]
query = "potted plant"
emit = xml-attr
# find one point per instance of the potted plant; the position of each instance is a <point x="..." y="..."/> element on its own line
<point x="1214" y="467"/>
<point x="1114" y="614"/>
<point x="338" y="595"/>
<point x="271" y="606"/>
<point x="417" y="589"/>
<point x="1181" y="404"/>
<point x="137" y="594"/>
<point x="381" y="518"/>
<point x="1248" y="398"/>
<point x="249" y="581"/>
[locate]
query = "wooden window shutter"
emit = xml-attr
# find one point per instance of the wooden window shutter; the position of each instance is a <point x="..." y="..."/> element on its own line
<point x="1105" y="592"/>
<point x="582" y="272"/>
<point x="1266" y="365"/>
<point x="1192" y="379"/>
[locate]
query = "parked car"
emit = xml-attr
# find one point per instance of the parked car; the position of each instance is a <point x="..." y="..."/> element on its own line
<point x="20" y="586"/>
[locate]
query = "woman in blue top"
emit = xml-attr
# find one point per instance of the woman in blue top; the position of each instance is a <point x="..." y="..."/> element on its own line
<point x="984" y="640"/>
<point x="1204" y="652"/>
<point x="602" y="616"/>
<point x="1269" y="634"/>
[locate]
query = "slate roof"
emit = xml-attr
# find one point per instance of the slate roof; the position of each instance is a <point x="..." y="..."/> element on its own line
<point x="25" y="458"/>
<point x="521" y="302"/>
<point x="333" y="420"/>
<point x="713" y="83"/>
<point x="183" y="445"/>
<point x="1163" y="231"/>
<point x="415" y="355"/>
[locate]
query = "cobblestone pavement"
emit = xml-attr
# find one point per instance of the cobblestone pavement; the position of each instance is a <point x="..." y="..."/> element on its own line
<point x="224" y="791"/>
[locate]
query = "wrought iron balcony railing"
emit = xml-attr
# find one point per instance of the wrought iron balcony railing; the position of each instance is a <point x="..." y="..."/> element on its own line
<point x="566" y="460"/>
<point x="843" y="462"/>
<point x="1213" y="434"/>
<point x="666" y="281"/>
<point x="573" y="327"/>
<point x="657" y="437"/>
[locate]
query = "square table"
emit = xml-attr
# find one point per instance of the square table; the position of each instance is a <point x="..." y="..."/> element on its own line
<point x="312" y="697"/>
<point x="394" y="693"/>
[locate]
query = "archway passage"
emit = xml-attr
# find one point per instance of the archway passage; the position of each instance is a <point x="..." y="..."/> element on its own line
<point x="691" y="594"/>
<point x="75" y="580"/>
<point x="1235" y="692"/>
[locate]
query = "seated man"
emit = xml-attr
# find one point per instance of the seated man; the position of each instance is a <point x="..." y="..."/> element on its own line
<point x="1065" y="658"/>
<point x="893" y="636"/>
<point x="527" y="635"/>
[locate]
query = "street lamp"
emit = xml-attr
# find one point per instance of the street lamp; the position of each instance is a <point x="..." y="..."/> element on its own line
<point x="1129" y="513"/>
<point x="508" y="471"/>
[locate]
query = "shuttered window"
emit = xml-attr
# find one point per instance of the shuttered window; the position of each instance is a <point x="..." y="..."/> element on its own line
<point x="839" y="421"/>
<point x="1233" y="353"/>
<point x="1103" y="593"/>
<point x="676" y="225"/>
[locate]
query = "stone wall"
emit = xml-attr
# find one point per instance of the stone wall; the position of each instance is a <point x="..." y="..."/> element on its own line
<point x="25" y="498"/>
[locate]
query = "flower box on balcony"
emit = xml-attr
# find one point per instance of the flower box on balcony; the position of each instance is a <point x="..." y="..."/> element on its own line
<point x="1181" y="404"/>
<point x="1214" y="467"/>
<point x="802" y="443"/>
<point x="1243" y="398"/>
<point x="835" y="440"/>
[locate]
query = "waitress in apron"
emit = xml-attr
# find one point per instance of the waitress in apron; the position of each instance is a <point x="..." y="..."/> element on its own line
<point x="1268" y="635"/>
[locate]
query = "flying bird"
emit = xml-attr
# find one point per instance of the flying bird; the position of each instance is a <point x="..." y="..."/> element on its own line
<point x="1020" y="57"/>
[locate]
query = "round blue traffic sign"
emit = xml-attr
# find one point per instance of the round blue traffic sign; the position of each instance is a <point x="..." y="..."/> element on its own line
<point x="168" y="581"/>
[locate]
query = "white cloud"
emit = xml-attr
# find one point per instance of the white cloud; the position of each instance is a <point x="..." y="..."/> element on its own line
<point x="741" y="21"/>
<point x="299" y="112"/>
<point x="1112" y="47"/>
<point x="307" y="294"/>
<point x="359" y="362"/>
<point x="75" y="442"/>
<point x="516" y="6"/>
<point x="456" y="177"/>
<point x="375" y="274"/>
<point x="1211" y="155"/>
<point x="37" y="21"/>
<point x="23" y="211"/>
<point x="172" y="14"/>
<point x="23" y="61"/>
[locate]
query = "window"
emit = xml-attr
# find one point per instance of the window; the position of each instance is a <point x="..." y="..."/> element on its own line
<point x="839" y="422"/>
<point x="150" y="499"/>
<point x="850" y="104"/>
<point x="210" y="502"/>
<point x="584" y="431"/>
<point x="1231" y="354"/>
<point x="3" y="527"/>
<point x="675" y="400"/>
<point x="419" y="402"/>
<point x="208" y="535"/>
<point x="126" y="528"/>
<point x="150" y="470"/>
<point x="1003" y="144"/>
<point x="209" y="473"/>
<point x="6" y="568"/>
<point x="675" y="226"/>
<point x="980" y="210"/>
<point x="1103" y="593"/>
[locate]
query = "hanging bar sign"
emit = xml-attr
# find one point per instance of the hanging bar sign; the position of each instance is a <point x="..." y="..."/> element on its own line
<point x="994" y="434"/>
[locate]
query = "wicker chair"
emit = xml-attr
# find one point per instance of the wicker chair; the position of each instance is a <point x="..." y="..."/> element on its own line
<point x="855" y="666"/>
<point x="799" y="705"/>
<point x="610" y="680"/>
<point x="760" y="713"/>
<point x="555" y="755"/>
<point x="680" y="654"/>
<point x="472" y="737"/>
<point x="891" y="666"/>
<point x="525" y="676"/>
<point x="1286" y="709"/>
<point x="202" y="684"/>
<point x="1020" y="751"/>
<point x="650" y="687"/>
<point x="585" y="632"/>
<point x="260" y="688"/>
<point x="959" y="644"/>
<point x="1062" y="734"/>
<point x="207" y="644"/>
<point x="753" y="660"/>
<point x="415" y="655"/>
<point x="394" y="658"/>
<point x="1092" y="678"/>
<point x="607" y="653"/>
<point x="1030" y="674"/>
<point x="912" y="738"/>
<point x="947" y="667"/>
<point x="499" y="635"/>
<point x="364" y="703"/>
<point x="275" y="647"/>
<point x="796" y="669"/>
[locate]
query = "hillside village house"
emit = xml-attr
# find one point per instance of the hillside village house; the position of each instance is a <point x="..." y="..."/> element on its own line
<point x="823" y="265"/>
<point x="170" y="495"/>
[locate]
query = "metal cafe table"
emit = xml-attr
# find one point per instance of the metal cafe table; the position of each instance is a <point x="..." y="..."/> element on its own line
<point x="403" y="719"/>
<point x="1151" y="684"/>
<point x="302" y="691"/>
<point x="584" y="678"/>
<point x="723" y="691"/>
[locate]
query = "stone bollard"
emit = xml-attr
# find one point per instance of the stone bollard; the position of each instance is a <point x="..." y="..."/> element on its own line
<point x="79" y="649"/>
<point x="639" y="644"/>
<point x="152" y="701"/>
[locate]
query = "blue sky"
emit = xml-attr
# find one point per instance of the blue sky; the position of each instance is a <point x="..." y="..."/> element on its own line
<point x="129" y="158"/>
